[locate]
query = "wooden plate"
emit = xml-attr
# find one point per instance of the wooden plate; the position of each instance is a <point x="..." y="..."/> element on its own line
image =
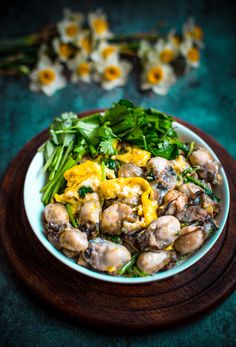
<point x="106" y="305"/>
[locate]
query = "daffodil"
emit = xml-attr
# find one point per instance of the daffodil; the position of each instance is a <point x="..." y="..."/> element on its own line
<point x="165" y="51"/>
<point x="190" y="52"/>
<point x="144" y="49"/>
<point x="73" y="16"/>
<point x="47" y="77"/>
<point x="174" y="39"/>
<point x="158" y="77"/>
<point x="99" y="25"/>
<point x="112" y="73"/>
<point x="70" y="27"/>
<point x="63" y="50"/>
<point x="84" y="42"/>
<point x="80" y="68"/>
<point x="104" y="51"/>
<point x="193" y="31"/>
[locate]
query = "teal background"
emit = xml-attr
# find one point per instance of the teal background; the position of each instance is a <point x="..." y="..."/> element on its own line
<point x="205" y="97"/>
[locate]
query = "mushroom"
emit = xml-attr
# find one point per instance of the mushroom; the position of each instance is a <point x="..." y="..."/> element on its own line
<point x="191" y="238"/>
<point x="72" y="239"/>
<point x="130" y="170"/>
<point x="151" y="262"/>
<point x="56" y="214"/>
<point x="113" y="217"/>
<point x="105" y="255"/>
<point x="161" y="233"/>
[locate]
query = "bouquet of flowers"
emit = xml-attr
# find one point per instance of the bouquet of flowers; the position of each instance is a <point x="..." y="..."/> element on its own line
<point x="84" y="49"/>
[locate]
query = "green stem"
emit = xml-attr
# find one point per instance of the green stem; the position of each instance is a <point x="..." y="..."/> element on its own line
<point x="72" y="218"/>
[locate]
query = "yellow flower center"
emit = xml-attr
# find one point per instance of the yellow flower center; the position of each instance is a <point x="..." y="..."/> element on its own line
<point x="155" y="75"/>
<point x="72" y="30"/>
<point x="46" y="76"/>
<point x="83" y="69"/>
<point x="167" y="55"/>
<point x="193" y="55"/>
<point x="65" y="50"/>
<point x="107" y="51"/>
<point x="86" y="44"/>
<point x="175" y="40"/>
<point x="197" y="33"/>
<point x="112" y="72"/>
<point x="100" y="25"/>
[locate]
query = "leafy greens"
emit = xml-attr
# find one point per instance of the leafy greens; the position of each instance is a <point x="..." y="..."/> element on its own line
<point x="98" y="134"/>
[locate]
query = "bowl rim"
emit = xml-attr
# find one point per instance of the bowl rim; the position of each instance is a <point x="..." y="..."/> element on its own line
<point x="194" y="258"/>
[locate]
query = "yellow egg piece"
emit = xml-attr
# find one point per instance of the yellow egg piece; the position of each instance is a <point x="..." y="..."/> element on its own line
<point x="134" y="155"/>
<point x="114" y="188"/>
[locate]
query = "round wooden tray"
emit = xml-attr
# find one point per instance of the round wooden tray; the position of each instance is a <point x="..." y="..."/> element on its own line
<point x="106" y="305"/>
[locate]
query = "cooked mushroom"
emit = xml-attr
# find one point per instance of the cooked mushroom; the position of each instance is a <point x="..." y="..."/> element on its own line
<point x="113" y="217"/>
<point x="190" y="240"/>
<point x="56" y="214"/>
<point x="151" y="262"/>
<point x="160" y="233"/>
<point x="174" y="201"/>
<point x="130" y="170"/>
<point x="72" y="239"/>
<point x="105" y="255"/>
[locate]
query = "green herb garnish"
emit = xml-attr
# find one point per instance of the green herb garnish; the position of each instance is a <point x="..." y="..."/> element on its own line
<point x="71" y="138"/>
<point x="83" y="190"/>
<point x="71" y="216"/>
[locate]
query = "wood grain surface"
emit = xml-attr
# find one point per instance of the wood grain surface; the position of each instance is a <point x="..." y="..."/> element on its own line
<point x="161" y="304"/>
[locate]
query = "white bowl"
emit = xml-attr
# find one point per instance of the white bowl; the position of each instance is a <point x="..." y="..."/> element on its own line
<point x="35" y="180"/>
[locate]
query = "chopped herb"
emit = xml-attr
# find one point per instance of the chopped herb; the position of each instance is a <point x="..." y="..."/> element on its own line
<point x="116" y="239"/>
<point x="71" y="216"/>
<point x="127" y="268"/>
<point x="150" y="177"/>
<point x="191" y="148"/>
<point x="83" y="190"/>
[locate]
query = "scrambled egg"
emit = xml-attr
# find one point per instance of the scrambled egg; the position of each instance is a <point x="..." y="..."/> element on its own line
<point x="134" y="155"/>
<point x="89" y="173"/>
<point x="114" y="188"/>
<point x="180" y="164"/>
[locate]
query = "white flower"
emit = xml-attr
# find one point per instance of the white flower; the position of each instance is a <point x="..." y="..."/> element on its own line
<point x="73" y="16"/>
<point x="158" y="77"/>
<point x="81" y="69"/>
<point x="84" y="42"/>
<point x="47" y="77"/>
<point x="166" y="51"/>
<point x="70" y="27"/>
<point x="104" y="51"/>
<point x="99" y="25"/>
<point x="112" y="73"/>
<point x="174" y="39"/>
<point x="144" y="49"/>
<point x="190" y="52"/>
<point x="63" y="50"/>
<point x="193" y="31"/>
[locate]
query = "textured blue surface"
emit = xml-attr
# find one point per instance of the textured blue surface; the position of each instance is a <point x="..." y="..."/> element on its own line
<point x="205" y="98"/>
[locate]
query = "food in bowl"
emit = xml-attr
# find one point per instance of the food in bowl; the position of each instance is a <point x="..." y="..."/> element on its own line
<point x="124" y="195"/>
